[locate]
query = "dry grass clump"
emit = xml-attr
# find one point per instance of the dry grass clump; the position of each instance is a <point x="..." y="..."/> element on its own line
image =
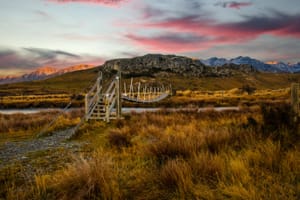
<point x="26" y="125"/>
<point x="176" y="176"/>
<point x="171" y="147"/>
<point x="118" y="139"/>
<point x="84" y="179"/>
<point x="207" y="168"/>
<point x="15" y="122"/>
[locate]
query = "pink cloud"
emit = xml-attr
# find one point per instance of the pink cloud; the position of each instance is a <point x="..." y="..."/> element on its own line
<point x="224" y="33"/>
<point x="100" y="2"/>
<point x="250" y="28"/>
<point x="191" y="33"/>
<point x="169" y="43"/>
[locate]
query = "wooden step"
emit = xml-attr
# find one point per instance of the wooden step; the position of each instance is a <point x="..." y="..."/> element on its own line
<point x="102" y="117"/>
<point x="103" y="109"/>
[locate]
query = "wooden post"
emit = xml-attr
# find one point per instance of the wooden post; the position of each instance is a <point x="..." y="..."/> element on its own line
<point x="86" y="107"/>
<point x="131" y="88"/>
<point x="125" y="93"/>
<point x="107" y="111"/>
<point x="118" y="91"/>
<point x="118" y="96"/>
<point x="138" y="94"/>
<point x="295" y="97"/>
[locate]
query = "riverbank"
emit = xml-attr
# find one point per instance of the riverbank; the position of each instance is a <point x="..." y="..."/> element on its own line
<point x="186" y="98"/>
<point x="125" y="110"/>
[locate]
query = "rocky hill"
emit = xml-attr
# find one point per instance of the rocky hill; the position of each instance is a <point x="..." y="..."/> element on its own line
<point x="164" y="65"/>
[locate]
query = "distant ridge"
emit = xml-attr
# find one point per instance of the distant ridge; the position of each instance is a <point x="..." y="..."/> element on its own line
<point x="271" y="66"/>
<point x="43" y="73"/>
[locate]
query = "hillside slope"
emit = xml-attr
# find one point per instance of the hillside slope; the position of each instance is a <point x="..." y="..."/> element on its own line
<point x="69" y="83"/>
<point x="43" y="73"/>
<point x="231" y="76"/>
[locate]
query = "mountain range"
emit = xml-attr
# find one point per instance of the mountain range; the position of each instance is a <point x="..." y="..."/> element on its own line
<point x="273" y="66"/>
<point x="43" y="73"/>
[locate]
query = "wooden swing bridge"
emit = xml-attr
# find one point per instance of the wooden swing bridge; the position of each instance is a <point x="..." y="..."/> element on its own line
<point x="106" y="103"/>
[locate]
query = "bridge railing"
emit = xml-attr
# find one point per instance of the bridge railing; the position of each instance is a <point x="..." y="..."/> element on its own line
<point x="148" y="94"/>
<point x="110" y="99"/>
<point x="93" y="96"/>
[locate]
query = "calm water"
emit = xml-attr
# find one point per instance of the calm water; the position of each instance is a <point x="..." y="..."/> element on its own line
<point x="31" y="110"/>
<point x="124" y="110"/>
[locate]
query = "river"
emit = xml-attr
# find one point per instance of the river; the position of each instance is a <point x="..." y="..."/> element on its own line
<point x="124" y="110"/>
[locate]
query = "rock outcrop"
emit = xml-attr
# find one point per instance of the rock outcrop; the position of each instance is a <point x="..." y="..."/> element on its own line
<point x="157" y="64"/>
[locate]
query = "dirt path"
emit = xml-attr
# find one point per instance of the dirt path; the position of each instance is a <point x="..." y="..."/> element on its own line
<point x="12" y="152"/>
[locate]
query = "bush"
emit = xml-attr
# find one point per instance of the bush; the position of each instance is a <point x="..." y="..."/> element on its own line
<point x="279" y="122"/>
<point x="118" y="139"/>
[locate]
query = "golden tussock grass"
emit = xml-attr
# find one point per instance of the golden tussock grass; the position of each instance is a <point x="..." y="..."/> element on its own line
<point x="22" y="126"/>
<point x="184" y="155"/>
<point x="84" y="179"/>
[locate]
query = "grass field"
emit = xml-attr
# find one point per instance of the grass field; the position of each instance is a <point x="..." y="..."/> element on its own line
<point x="248" y="154"/>
<point x="70" y="83"/>
<point x="212" y="91"/>
<point x="78" y="82"/>
<point x="19" y="127"/>
<point x="252" y="153"/>
<point x="197" y="98"/>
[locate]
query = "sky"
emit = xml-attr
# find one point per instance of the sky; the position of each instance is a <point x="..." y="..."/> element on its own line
<point x="61" y="33"/>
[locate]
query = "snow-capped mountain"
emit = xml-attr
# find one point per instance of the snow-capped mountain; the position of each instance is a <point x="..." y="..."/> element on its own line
<point x="39" y="74"/>
<point x="42" y="73"/>
<point x="296" y="67"/>
<point x="272" y="66"/>
<point x="284" y="67"/>
<point x="214" y="61"/>
<point x="261" y="66"/>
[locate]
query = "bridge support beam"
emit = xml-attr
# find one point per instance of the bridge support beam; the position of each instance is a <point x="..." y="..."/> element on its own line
<point x="86" y="103"/>
<point x="118" y="98"/>
<point x="107" y="110"/>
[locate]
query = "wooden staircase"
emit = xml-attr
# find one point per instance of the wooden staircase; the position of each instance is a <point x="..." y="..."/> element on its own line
<point x="103" y="105"/>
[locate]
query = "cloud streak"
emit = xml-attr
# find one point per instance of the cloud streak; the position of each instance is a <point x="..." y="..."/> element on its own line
<point x="165" y="43"/>
<point x="234" y="4"/>
<point x="112" y="3"/>
<point x="198" y="32"/>
<point x="250" y="28"/>
<point x="32" y="58"/>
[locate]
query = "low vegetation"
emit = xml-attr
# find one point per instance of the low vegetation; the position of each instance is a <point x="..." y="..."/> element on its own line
<point x="252" y="153"/>
<point x="19" y="126"/>
<point x="214" y="91"/>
